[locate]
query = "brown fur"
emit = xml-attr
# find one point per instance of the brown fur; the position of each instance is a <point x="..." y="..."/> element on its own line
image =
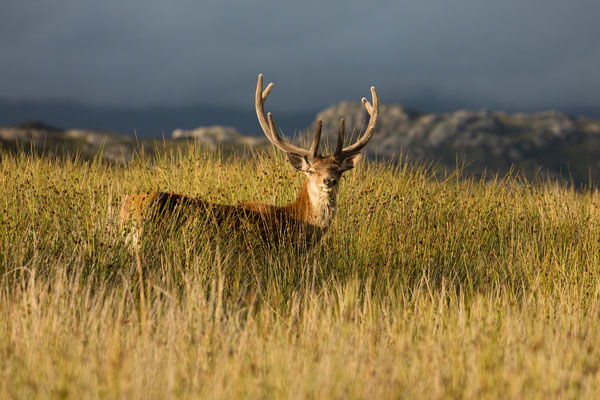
<point x="305" y="220"/>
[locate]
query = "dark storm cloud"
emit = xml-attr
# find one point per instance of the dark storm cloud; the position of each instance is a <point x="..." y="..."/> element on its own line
<point x="526" y="53"/>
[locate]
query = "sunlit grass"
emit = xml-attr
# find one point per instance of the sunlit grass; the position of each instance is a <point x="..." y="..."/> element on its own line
<point x="423" y="288"/>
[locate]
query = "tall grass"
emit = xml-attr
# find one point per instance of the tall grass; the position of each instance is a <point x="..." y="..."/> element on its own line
<point x="423" y="288"/>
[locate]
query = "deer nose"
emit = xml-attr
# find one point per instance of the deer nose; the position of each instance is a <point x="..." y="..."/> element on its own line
<point x="330" y="182"/>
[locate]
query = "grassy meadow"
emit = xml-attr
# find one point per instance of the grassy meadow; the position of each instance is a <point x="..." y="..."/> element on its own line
<point x="425" y="287"/>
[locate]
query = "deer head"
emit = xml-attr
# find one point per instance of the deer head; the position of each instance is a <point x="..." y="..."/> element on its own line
<point x="322" y="172"/>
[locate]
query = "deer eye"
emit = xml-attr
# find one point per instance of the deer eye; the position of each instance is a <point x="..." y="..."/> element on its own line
<point x="310" y="172"/>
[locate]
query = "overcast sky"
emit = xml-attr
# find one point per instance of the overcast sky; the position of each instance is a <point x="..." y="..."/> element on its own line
<point x="515" y="54"/>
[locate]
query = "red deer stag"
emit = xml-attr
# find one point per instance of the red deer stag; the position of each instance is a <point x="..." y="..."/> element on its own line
<point x="306" y="219"/>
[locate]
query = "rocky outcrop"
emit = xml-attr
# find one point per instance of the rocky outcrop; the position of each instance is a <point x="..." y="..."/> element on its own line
<point x="32" y="131"/>
<point x="86" y="143"/>
<point x="40" y="137"/>
<point x="548" y="142"/>
<point x="213" y="136"/>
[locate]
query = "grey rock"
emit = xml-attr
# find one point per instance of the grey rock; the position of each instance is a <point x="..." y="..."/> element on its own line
<point x="40" y="138"/>
<point x="485" y="140"/>
<point x="215" y="135"/>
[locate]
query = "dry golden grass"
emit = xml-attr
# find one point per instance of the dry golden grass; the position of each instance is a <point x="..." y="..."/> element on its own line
<point x="424" y="288"/>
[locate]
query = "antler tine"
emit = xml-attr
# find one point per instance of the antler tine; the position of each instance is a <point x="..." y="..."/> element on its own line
<point x="340" y="141"/>
<point x="314" y="147"/>
<point x="278" y="141"/>
<point x="373" y="111"/>
<point x="269" y="127"/>
<point x="266" y="92"/>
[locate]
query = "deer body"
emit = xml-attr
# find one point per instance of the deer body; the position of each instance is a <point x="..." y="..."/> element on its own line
<point x="308" y="217"/>
<point x="305" y="220"/>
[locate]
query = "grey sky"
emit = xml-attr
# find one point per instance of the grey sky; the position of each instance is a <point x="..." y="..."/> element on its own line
<point x="482" y="53"/>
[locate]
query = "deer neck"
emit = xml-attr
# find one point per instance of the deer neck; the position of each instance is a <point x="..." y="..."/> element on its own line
<point x="314" y="206"/>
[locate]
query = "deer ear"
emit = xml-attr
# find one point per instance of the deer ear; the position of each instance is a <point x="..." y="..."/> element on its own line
<point x="350" y="162"/>
<point x="299" y="162"/>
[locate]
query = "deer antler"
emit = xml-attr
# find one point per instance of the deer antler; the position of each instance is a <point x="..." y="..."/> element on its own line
<point x="373" y="110"/>
<point x="340" y="141"/>
<point x="271" y="131"/>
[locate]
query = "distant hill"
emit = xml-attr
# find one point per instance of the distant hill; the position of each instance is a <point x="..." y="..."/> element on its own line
<point x="145" y="122"/>
<point x="549" y="143"/>
<point x="39" y="137"/>
<point x="536" y="144"/>
<point x="153" y="122"/>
